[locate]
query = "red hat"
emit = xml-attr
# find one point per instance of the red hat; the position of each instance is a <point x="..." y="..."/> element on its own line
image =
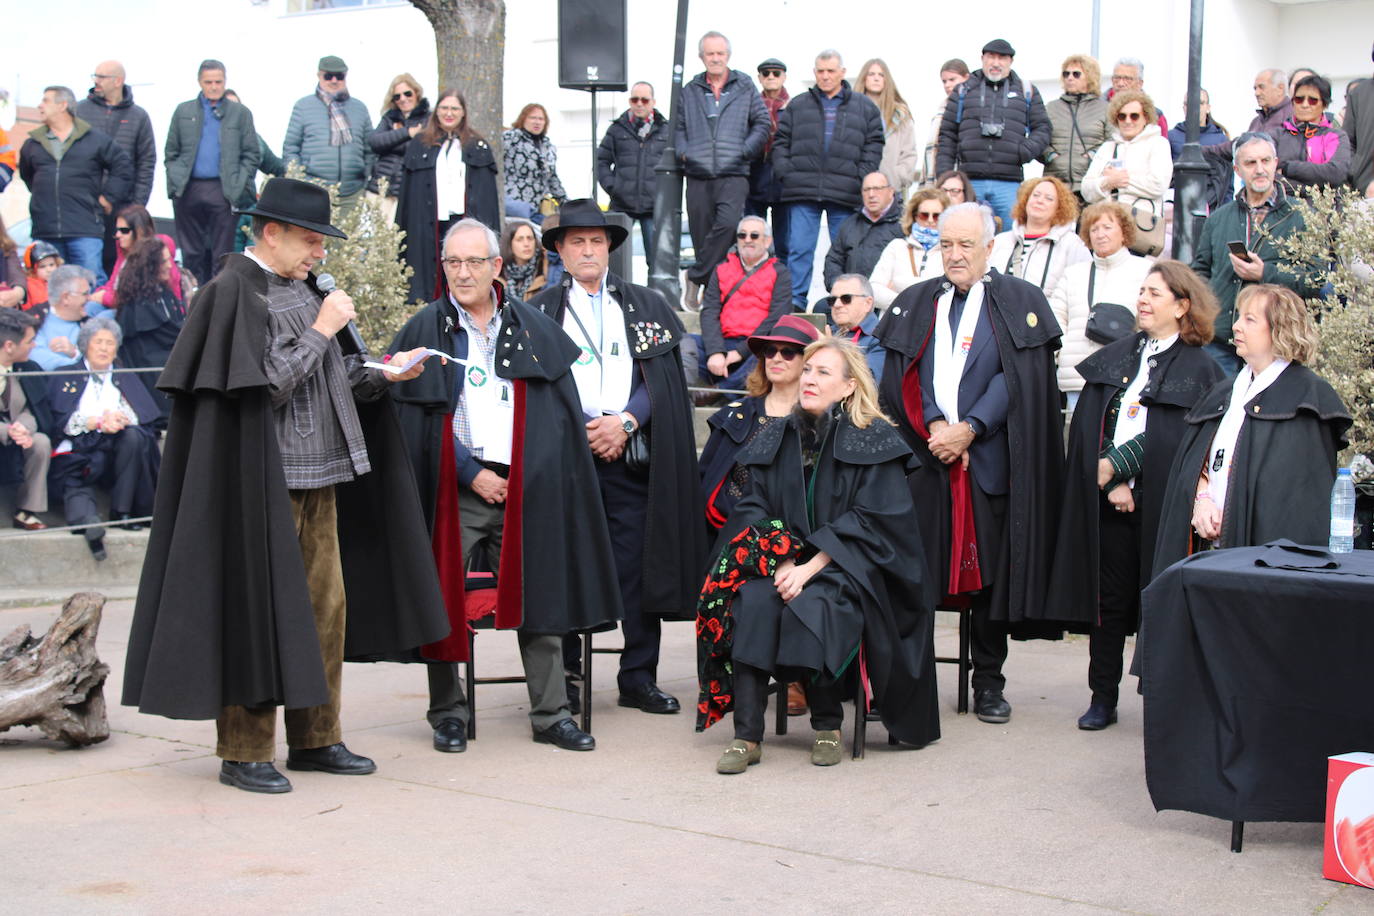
<point x="790" y="329"/>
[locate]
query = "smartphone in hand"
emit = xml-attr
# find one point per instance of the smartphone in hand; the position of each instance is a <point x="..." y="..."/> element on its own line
<point x="1239" y="250"/>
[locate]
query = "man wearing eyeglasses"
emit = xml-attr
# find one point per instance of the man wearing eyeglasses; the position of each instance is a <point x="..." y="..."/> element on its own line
<point x="865" y="234"/>
<point x="109" y="108"/>
<point x="746" y="295"/>
<point x="211" y="159"/>
<point x="1078" y="122"/>
<point x="626" y="158"/>
<point x="852" y="317"/>
<point x="498" y="445"/>
<point x="328" y="131"/>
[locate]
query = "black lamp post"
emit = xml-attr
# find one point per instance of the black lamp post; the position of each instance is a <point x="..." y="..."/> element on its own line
<point x="665" y="258"/>
<point x="1190" y="169"/>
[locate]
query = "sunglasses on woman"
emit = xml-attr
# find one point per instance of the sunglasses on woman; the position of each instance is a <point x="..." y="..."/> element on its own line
<point x="768" y="351"/>
<point x="1131" y="116"/>
<point x="1072" y="73"/>
<point x="1306" y="100"/>
<point x="122" y="230"/>
<point x="396" y="97"/>
<point x="927" y="216"/>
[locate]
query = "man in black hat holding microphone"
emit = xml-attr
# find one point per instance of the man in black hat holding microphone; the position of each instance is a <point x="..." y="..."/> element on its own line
<point x="639" y="428"/>
<point x="287" y="533"/>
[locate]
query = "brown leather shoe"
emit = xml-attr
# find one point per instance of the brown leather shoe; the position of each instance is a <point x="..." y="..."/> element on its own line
<point x="796" y="700"/>
<point x="27" y="521"/>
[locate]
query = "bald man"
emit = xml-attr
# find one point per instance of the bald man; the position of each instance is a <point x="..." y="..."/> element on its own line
<point x="109" y="108"/>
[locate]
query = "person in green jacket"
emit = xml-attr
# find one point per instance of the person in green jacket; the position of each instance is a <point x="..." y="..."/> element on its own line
<point x="1259" y="216"/>
<point x="328" y="131"/>
<point x="271" y="165"/>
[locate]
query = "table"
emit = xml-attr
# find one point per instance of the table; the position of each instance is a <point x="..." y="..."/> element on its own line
<point x="1253" y="675"/>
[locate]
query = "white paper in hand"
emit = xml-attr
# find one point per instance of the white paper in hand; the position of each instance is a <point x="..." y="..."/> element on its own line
<point x="398" y="368"/>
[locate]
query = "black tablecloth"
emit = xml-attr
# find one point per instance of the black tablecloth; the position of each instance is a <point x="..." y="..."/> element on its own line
<point x="1253" y="675"/>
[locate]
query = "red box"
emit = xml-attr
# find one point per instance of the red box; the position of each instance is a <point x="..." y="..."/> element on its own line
<point x="1349" y="855"/>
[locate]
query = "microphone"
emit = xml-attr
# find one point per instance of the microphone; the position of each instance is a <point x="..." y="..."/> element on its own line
<point x="325" y="284"/>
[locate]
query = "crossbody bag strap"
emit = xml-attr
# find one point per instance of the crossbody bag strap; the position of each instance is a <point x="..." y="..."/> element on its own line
<point x="747" y="274"/>
<point x="1092" y="281"/>
<point x="1049" y="255"/>
<point x="583" y="328"/>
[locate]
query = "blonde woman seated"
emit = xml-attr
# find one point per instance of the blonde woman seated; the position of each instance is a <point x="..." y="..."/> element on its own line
<point x="1041" y="243"/>
<point x="1110" y="279"/>
<point x="819" y="575"/>
<point x="916" y="257"/>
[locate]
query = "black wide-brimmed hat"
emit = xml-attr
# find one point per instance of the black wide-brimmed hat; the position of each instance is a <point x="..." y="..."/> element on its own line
<point x="583" y="214"/>
<point x="300" y="203"/>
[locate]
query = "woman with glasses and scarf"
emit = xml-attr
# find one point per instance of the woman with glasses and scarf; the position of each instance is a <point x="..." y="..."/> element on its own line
<point x="449" y="173"/>
<point x="916" y="257"/>
<point x="1134" y="167"/>
<point x="1312" y="152"/>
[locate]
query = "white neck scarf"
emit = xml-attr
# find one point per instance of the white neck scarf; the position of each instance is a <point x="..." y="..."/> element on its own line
<point x="602" y="384"/>
<point x="951" y="350"/>
<point x="1130" y="419"/>
<point x="1246" y="388"/>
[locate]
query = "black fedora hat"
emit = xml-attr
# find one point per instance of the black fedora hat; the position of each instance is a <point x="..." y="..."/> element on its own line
<point x="583" y="214"/>
<point x="300" y="203"/>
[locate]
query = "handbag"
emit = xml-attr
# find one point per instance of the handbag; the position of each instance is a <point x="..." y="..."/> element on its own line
<point x="548" y="205"/>
<point x="1107" y="321"/>
<point x="636" y="453"/>
<point x="1149" y="238"/>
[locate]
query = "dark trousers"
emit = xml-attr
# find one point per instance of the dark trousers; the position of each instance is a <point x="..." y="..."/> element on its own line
<point x="626" y="498"/>
<point x="988" y="637"/>
<point x="108" y="248"/>
<point x="121" y="461"/>
<point x="1118" y="600"/>
<point x="205" y="224"/>
<point x="714" y="208"/>
<point x="751" y="702"/>
<point x="249" y="733"/>
<point x="757" y="206"/>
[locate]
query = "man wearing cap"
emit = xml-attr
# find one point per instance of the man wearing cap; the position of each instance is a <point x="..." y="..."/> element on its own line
<point x="629" y="379"/>
<point x="970" y="382"/>
<point x="765" y="191"/>
<point x="287" y="533"/>
<point x="746" y="295"/>
<point x="327" y="134"/>
<point x="497" y="445"/>
<point x="723" y="128"/>
<point x="994" y="123"/>
<point x="211" y="159"/>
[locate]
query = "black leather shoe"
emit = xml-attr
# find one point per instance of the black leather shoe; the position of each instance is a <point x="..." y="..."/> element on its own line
<point x="97" y="546"/>
<point x="1098" y="717"/>
<point x="121" y="519"/>
<point x="451" y="736"/>
<point x="574" y="686"/>
<point x="650" y="699"/>
<point x="990" y="706"/>
<point x="565" y="734"/>
<point x="253" y="777"/>
<point x="332" y="759"/>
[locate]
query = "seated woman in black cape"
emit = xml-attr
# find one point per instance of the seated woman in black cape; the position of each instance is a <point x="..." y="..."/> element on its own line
<point x="820" y="572"/>
<point x="1259" y="457"/>
<point x="1122" y="441"/>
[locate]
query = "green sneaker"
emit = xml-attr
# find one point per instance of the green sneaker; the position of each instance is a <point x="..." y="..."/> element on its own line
<point x="826" y="751"/>
<point x="738" y="757"/>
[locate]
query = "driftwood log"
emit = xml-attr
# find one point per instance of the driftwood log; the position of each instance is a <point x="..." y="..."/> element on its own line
<point x="57" y="683"/>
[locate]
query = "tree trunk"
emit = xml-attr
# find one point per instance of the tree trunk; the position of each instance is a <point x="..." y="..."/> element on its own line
<point x="470" y="37"/>
<point x="57" y="683"/>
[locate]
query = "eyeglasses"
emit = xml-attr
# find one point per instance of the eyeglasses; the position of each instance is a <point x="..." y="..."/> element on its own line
<point x="640" y="100"/>
<point x="1122" y="78"/>
<point x="875" y="187"/>
<point x="1306" y="100"/>
<point x="1130" y="116"/>
<point x="333" y="76"/>
<point x="751" y="236"/>
<point x="1071" y="73"/>
<point x="768" y="351"/>
<point x="927" y="216"/>
<point x="846" y="298"/>
<point x="395" y="97"/>
<point x="102" y="76"/>
<point x="472" y="264"/>
<point x="122" y="230"/>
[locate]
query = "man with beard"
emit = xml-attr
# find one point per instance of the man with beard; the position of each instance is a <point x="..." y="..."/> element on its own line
<point x="970" y="381"/>
<point x="286" y="535"/>
<point x="629" y="378"/>
<point x="497" y="447"/>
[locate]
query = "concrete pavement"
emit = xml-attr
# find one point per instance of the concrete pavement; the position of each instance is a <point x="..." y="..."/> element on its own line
<point x="1030" y="817"/>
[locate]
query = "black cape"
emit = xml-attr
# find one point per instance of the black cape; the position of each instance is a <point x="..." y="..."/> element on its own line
<point x="875" y="586"/>
<point x="1027" y="336"/>
<point x="568" y="579"/>
<point x="731" y="427"/>
<point x="1179" y="377"/>
<point x="1281" y="476"/>
<point x="675" y="540"/>
<point x="223" y="615"/>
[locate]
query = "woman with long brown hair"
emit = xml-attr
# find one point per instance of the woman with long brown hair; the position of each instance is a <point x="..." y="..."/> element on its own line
<point x="899" y="151"/>
<point x="449" y="174"/>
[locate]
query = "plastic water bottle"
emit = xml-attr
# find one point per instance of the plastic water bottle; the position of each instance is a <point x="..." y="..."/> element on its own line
<point x="1342" y="513"/>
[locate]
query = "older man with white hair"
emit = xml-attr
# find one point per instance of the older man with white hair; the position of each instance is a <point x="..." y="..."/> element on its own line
<point x="746" y="295"/>
<point x="970" y="381"/>
<point x="1271" y="95"/>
